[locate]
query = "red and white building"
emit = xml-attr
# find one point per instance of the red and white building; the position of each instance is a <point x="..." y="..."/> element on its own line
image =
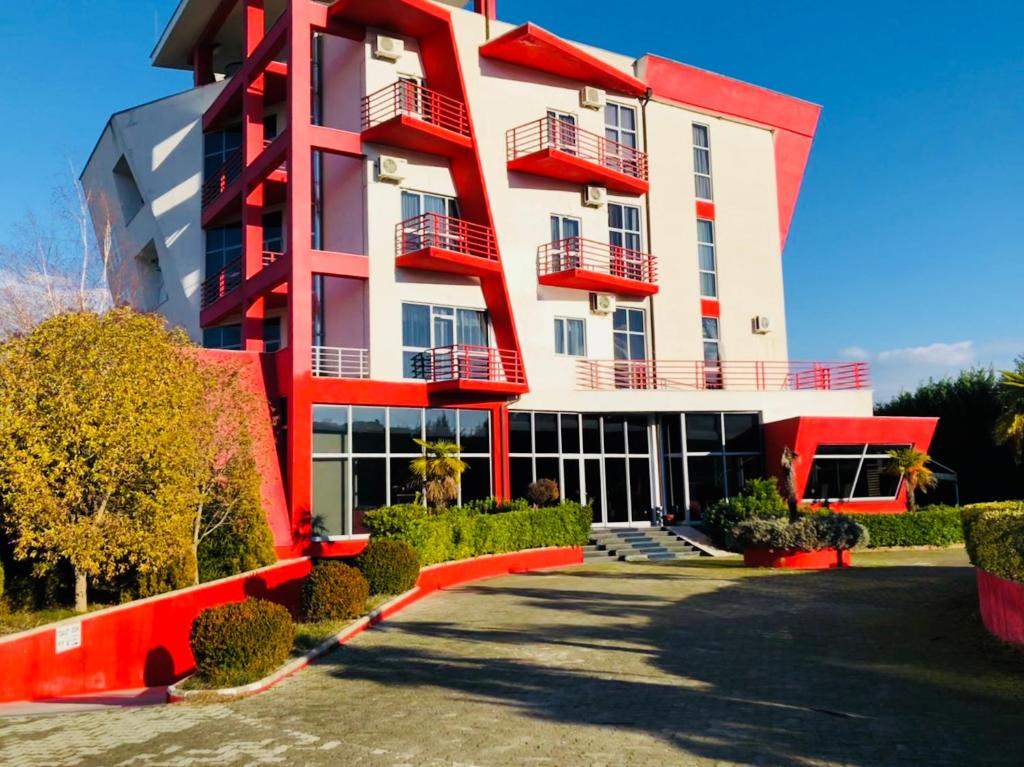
<point x="416" y="220"/>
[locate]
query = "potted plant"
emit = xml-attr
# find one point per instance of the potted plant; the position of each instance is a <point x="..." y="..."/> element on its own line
<point x="819" y="542"/>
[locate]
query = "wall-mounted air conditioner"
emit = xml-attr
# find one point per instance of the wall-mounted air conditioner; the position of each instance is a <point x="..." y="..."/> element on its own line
<point x="592" y="98"/>
<point x="594" y="196"/>
<point x="602" y="303"/>
<point x="762" y="324"/>
<point x="388" y="48"/>
<point x="391" y="169"/>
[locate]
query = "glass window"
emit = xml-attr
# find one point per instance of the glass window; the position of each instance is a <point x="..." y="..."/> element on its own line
<point x="703" y="432"/>
<point x="874" y="481"/>
<point x="624" y="230"/>
<point x="591" y="434"/>
<point x="570" y="433"/>
<point x="271" y="334"/>
<point x="707" y="481"/>
<point x="629" y="335"/>
<point x="570" y="337"/>
<point x="218" y="147"/>
<point x="832" y="478"/>
<point x="592" y="475"/>
<point x="852" y="472"/>
<point x="440" y="425"/>
<point x="671" y="430"/>
<point x="223" y="248"/>
<point x="706" y="261"/>
<point x="369" y="489"/>
<point x="614" y="435"/>
<point x="702" y="161"/>
<point x="742" y="433"/>
<point x="571" y="489"/>
<point x="406" y="426"/>
<point x="636" y="426"/>
<point x="840" y="450"/>
<point x="404" y="484"/>
<point x="616" y="489"/>
<point x="228" y="337"/>
<point x="368" y="432"/>
<point x="545" y="427"/>
<point x="547" y="468"/>
<point x="330" y="429"/>
<point x="640" y="489"/>
<point x="739" y="469"/>
<point x="520" y="476"/>
<point x="433" y="327"/>
<point x="476" y="480"/>
<point x="620" y="124"/>
<point x="273" y="232"/>
<point x="329" y="496"/>
<point x="520" y="435"/>
<point x="475" y="431"/>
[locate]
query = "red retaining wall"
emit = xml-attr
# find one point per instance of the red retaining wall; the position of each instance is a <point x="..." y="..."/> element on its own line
<point x="825" y="559"/>
<point x="142" y="644"/>
<point x="1002" y="606"/>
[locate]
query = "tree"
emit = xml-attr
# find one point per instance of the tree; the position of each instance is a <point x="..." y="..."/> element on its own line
<point x="911" y="466"/>
<point x="789" y="460"/>
<point x="91" y="444"/>
<point x="440" y="468"/>
<point x="1010" y="426"/>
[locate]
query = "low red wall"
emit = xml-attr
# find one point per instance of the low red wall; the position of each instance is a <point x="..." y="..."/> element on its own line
<point x="825" y="559"/>
<point x="1002" y="606"/>
<point x="142" y="644"/>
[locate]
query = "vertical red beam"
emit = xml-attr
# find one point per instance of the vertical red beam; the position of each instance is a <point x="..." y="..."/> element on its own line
<point x="499" y="452"/>
<point x="202" y="65"/>
<point x="300" y="289"/>
<point x="488" y="8"/>
<point x="254" y="16"/>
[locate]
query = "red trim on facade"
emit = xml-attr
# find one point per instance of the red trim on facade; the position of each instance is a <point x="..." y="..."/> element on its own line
<point x="553" y="163"/>
<point x="535" y="48"/>
<point x="805" y="434"/>
<point x="709" y="307"/>
<point x="794" y="121"/>
<point x="706" y="210"/>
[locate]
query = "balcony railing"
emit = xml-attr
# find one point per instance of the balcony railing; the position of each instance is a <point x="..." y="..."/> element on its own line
<point x="470" y="363"/>
<point x="599" y="257"/>
<point x="334" y="362"/>
<point x="413" y="100"/>
<point x="219" y="182"/>
<point x="432" y="230"/>
<point x="669" y="375"/>
<point x="270" y="256"/>
<point x="570" y="139"/>
<point x="222" y="283"/>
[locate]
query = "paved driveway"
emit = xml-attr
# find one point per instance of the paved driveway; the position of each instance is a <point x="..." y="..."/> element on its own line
<point x="673" y="664"/>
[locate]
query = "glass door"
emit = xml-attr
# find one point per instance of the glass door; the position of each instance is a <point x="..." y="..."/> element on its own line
<point x="562" y="133"/>
<point x="629" y="328"/>
<point x="565" y="241"/>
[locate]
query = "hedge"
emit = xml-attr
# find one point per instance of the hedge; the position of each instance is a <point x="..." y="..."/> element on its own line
<point x="389" y="566"/>
<point x="241" y="642"/>
<point x="466" y="532"/>
<point x="813" y="533"/>
<point x="333" y="591"/>
<point x="994" y="533"/>
<point x="931" y="526"/>
<point x="759" y="499"/>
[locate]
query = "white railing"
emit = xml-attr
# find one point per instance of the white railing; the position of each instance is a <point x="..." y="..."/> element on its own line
<point x="334" y="362"/>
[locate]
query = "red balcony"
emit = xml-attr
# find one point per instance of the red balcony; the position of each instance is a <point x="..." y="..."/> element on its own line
<point x="408" y="115"/>
<point x="220" y="181"/>
<point x="670" y="375"/>
<point x="552" y="148"/>
<point x="597" y="266"/>
<point x="465" y="368"/>
<point x="223" y="283"/>
<point x="443" y="244"/>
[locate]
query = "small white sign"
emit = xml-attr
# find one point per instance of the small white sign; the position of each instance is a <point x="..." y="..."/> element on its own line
<point x="69" y="637"/>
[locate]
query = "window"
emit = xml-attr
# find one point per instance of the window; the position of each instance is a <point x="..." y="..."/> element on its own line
<point x="851" y="473"/>
<point x="565" y="239"/>
<point x="223" y="337"/>
<point x="706" y="261"/>
<point x="625" y="238"/>
<point x="432" y="327"/>
<point x="436" y="231"/>
<point x="562" y="133"/>
<point x="570" y="337"/>
<point x="361" y="458"/>
<point x="273" y="232"/>
<point x="223" y="247"/>
<point x="702" y="161"/>
<point x="629" y="328"/>
<point x="620" y="127"/>
<point x="218" y="147"/>
<point x="271" y="334"/>
<point x="127" y="190"/>
<point x="712" y="353"/>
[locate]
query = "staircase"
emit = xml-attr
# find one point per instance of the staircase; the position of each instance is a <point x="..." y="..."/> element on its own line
<point x="636" y="545"/>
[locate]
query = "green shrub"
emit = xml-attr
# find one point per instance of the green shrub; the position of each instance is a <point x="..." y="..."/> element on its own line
<point x="994" y="534"/>
<point x="835" y="531"/>
<point x="760" y="499"/>
<point x="931" y="526"/>
<point x="334" y="591"/>
<point x="464" y="532"/>
<point x="494" y="506"/>
<point x="389" y="566"/>
<point x="242" y="642"/>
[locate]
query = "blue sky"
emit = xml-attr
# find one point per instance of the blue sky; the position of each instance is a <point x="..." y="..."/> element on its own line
<point x="908" y="243"/>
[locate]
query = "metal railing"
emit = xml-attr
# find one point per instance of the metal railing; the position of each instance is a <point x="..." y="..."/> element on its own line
<point x="432" y="230"/>
<point x="222" y="283"/>
<point x="270" y="256"/>
<point x="335" y="362"/>
<point x="670" y="375"/>
<point x="219" y="182"/>
<point x="593" y="256"/>
<point x="463" y="362"/>
<point x="412" y="99"/>
<point x="552" y="133"/>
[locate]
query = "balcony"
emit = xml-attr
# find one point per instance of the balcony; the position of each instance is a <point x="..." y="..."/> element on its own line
<point x="410" y="116"/>
<point x="464" y="368"/>
<point x="443" y="244"/>
<point x="223" y="283"/>
<point x="555" y="149"/>
<point x="597" y="266"/>
<point x="669" y="375"/>
<point x="222" y="180"/>
<point x="334" y="362"/>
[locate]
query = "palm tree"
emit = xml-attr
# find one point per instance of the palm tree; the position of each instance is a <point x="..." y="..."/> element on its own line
<point x="440" y="467"/>
<point x="1010" y="426"/>
<point x="789" y="459"/>
<point x="912" y="467"/>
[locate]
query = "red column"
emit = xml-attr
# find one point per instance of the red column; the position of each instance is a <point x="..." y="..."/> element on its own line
<point x="499" y="452"/>
<point x="202" y="65"/>
<point x="300" y="283"/>
<point x="488" y="8"/>
<point x="252" y="214"/>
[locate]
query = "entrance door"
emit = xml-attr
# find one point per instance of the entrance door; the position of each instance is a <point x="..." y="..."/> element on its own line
<point x="562" y="133"/>
<point x="630" y="340"/>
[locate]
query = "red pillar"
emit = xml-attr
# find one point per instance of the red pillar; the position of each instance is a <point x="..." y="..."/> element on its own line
<point x="488" y="8"/>
<point x="252" y="214"/>
<point x="202" y="65"/>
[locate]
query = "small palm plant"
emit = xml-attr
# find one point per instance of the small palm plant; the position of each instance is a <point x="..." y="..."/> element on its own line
<point x="789" y="460"/>
<point x="912" y="467"/>
<point x="1010" y="426"/>
<point x="440" y="468"/>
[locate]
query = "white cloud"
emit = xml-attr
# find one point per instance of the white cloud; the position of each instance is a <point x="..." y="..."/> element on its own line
<point x="855" y="353"/>
<point x="937" y="354"/>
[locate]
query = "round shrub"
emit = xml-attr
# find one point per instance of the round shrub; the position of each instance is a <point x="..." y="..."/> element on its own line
<point x="838" y="531"/>
<point x="759" y="499"/>
<point x="834" y="531"/>
<point x="390" y="566"/>
<point x="241" y="642"/>
<point x="543" y="492"/>
<point x="334" y="591"/>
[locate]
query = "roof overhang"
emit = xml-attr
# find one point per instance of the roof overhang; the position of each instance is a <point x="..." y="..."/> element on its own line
<point x="190" y="19"/>
<point x="535" y="48"/>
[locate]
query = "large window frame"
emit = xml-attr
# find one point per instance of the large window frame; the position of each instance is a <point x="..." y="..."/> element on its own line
<point x="391" y="457"/>
<point x="834" y="453"/>
<point x="702" y="183"/>
<point x="567" y="342"/>
<point x="440" y="317"/>
<point x="707" y="258"/>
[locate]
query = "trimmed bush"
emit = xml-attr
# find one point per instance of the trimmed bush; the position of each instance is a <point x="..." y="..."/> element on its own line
<point x="931" y="526"/>
<point x="760" y="499"/>
<point x="241" y="642"/>
<point x="994" y="534"/>
<point x="465" y="532"/>
<point x="389" y="566"/>
<point x="835" y="531"/>
<point x="334" y="591"/>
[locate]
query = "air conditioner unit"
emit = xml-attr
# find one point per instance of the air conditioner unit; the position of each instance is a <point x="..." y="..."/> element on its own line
<point x="391" y="169"/>
<point x="388" y="48"/>
<point x="762" y="324"/>
<point x="592" y="98"/>
<point x="594" y="196"/>
<point x="602" y="303"/>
